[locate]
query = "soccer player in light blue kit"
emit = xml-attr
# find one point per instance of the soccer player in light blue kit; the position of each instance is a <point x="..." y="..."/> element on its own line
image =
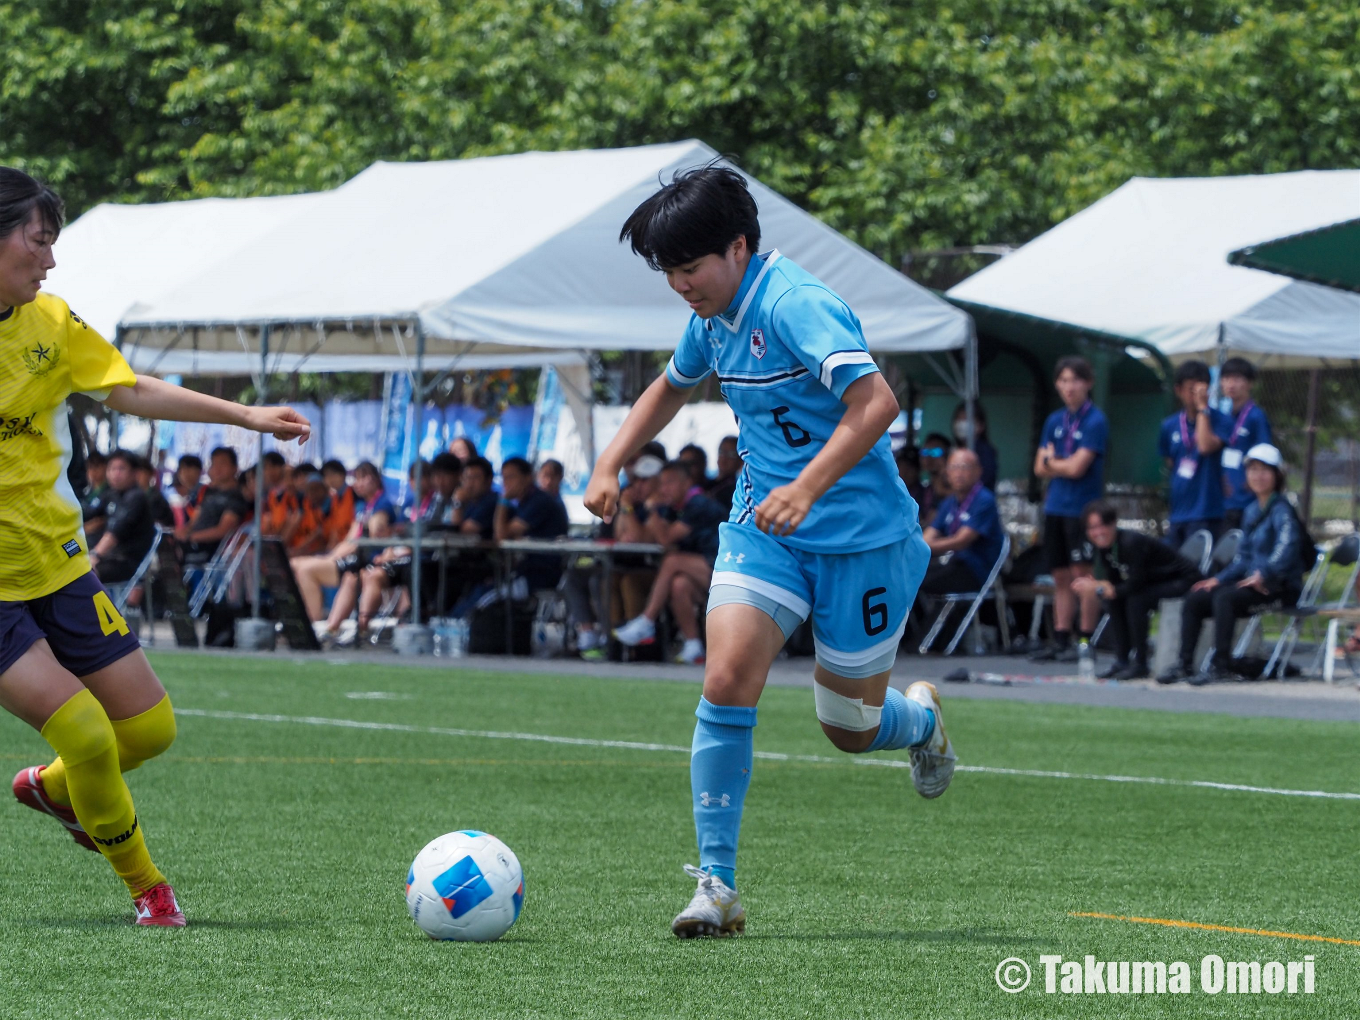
<point x="821" y="525"/>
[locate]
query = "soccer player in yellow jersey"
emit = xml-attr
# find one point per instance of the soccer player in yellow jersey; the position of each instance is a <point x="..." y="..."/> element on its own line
<point x="69" y="665"/>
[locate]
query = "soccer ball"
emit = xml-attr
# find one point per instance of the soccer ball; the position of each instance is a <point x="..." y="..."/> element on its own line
<point x="467" y="886"/>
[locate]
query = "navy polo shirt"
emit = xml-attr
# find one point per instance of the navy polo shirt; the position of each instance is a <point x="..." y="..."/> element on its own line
<point x="981" y="515"/>
<point x="1088" y="430"/>
<point x="1196" y="478"/>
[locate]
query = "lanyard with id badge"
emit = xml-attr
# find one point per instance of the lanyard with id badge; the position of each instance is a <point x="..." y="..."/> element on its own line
<point x="1232" y="457"/>
<point x="1185" y="468"/>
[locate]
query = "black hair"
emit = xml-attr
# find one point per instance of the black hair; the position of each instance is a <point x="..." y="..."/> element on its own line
<point x="190" y="460"/>
<point x="95" y="459"/>
<point x="304" y="470"/>
<point x="519" y="464"/>
<point x="1102" y="508"/>
<point x="654" y="449"/>
<point x="141" y="463"/>
<point x="126" y="456"/>
<point x="1191" y="371"/>
<point x="677" y="465"/>
<point x="693" y="448"/>
<point x="224" y="451"/>
<point x="424" y="466"/>
<point x="728" y="439"/>
<point x="274" y="459"/>
<point x="1238" y="366"/>
<point x="1281" y="480"/>
<point x="447" y="463"/>
<point x="700" y="212"/>
<point x="481" y="464"/>
<point x="1077" y="365"/>
<point x="467" y="439"/>
<point x="20" y="194"/>
<point x="367" y="467"/>
<point x="333" y="465"/>
<point x="911" y="455"/>
<point x="935" y="439"/>
<point x="555" y="466"/>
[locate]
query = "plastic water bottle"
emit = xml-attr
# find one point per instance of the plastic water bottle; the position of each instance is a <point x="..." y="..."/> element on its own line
<point x="1086" y="662"/>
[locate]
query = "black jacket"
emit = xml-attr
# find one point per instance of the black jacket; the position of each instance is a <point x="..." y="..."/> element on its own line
<point x="1137" y="560"/>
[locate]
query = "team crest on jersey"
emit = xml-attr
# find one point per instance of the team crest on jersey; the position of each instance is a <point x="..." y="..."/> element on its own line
<point x="40" y="360"/>
<point x="758" y="342"/>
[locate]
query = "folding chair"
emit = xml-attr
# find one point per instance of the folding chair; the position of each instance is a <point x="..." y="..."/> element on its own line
<point x="1346" y="553"/>
<point x="217" y="573"/>
<point x="1312" y="585"/>
<point x="121" y="591"/>
<point x="974" y="600"/>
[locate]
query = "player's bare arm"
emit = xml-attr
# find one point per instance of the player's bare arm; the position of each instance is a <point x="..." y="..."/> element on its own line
<point x="156" y="399"/>
<point x="659" y="403"/>
<point x="870" y="409"/>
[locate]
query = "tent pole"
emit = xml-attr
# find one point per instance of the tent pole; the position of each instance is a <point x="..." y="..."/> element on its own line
<point x="416" y="638"/>
<point x="1306" y="501"/>
<point x="260" y="394"/>
<point x="971" y="383"/>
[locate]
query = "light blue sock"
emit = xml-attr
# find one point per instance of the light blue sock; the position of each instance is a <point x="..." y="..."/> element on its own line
<point x="903" y="723"/>
<point x="719" y="774"/>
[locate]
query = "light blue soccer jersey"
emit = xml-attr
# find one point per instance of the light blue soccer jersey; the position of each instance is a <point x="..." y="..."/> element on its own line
<point x="784" y="355"/>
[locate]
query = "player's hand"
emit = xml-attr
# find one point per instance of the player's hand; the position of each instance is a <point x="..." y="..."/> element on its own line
<point x="602" y="494"/>
<point x="283" y="422"/>
<point x="783" y="510"/>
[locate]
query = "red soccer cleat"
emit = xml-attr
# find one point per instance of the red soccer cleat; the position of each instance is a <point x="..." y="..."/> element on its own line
<point x="28" y="791"/>
<point x="158" y="907"/>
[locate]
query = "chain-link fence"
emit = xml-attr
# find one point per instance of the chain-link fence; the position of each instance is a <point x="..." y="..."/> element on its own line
<point x="1333" y="396"/>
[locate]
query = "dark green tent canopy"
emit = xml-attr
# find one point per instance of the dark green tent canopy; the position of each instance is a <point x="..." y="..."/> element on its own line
<point x="1328" y="255"/>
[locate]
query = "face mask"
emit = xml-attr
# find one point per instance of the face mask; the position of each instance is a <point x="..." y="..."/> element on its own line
<point x="961" y="430"/>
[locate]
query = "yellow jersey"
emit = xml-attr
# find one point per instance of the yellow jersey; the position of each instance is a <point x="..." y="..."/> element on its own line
<point x="46" y="353"/>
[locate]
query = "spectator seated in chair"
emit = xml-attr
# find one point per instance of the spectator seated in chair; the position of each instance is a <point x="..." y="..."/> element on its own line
<point x="965" y="537"/>
<point x="686" y="521"/>
<point x="982" y="446"/>
<point x="282" y="512"/>
<point x="92" y="510"/>
<point x="156" y="502"/>
<point x="931" y="458"/>
<point x="220" y="511"/>
<point x="1132" y="573"/>
<point x="1266" y="572"/>
<point x="185" y="491"/>
<point x="526" y="511"/>
<point x="341" y="567"/>
<point x="391" y="567"/>
<point x="131" y="528"/>
<point x="309" y="537"/>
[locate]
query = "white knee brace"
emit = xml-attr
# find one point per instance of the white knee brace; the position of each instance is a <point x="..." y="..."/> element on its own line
<point x="845" y="713"/>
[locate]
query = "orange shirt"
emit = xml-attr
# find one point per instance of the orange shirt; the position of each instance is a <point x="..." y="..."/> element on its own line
<point x="341" y="517"/>
<point x="278" y="504"/>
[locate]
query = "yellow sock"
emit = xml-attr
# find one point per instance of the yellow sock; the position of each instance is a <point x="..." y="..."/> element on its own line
<point x="82" y="736"/>
<point x="140" y="738"/>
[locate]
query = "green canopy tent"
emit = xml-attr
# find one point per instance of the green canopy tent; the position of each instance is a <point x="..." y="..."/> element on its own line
<point x="1329" y="255"/>
<point x="1016" y="355"/>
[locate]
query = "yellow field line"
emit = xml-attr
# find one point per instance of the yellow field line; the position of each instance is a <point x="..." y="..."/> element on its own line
<point x="1164" y="922"/>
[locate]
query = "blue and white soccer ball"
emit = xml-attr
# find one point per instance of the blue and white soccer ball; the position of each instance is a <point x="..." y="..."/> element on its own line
<point x="467" y="886"/>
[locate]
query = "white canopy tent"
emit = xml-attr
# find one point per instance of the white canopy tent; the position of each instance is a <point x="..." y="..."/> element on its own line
<point x="506" y="255"/>
<point x="1149" y="262"/>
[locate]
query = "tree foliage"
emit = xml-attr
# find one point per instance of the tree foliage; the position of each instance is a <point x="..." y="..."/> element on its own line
<point x="905" y="125"/>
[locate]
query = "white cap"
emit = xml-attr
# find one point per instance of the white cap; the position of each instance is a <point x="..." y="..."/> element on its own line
<point x="647" y="466"/>
<point x="1266" y="454"/>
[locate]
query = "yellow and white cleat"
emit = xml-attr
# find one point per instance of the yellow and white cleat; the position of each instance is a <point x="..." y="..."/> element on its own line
<point x="715" y="911"/>
<point x="932" y="764"/>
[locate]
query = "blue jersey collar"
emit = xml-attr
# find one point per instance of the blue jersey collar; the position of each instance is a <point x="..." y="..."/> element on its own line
<point x="756" y="271"/>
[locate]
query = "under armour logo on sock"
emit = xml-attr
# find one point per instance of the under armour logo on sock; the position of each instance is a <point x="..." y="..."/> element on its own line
<point x="707" y="800"/>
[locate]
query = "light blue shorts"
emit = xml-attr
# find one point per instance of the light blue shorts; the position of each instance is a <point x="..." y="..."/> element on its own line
<point x="858" y="601"/>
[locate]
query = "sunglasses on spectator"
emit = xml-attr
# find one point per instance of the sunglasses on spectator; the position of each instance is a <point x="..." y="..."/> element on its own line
<point x="933" y="451"/>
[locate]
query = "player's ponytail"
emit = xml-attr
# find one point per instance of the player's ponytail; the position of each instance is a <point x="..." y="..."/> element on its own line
<point x="20" y="194"/>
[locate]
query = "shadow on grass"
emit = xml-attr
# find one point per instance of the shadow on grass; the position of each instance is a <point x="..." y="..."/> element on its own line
<point x="125" y="921"/>
<point x="976" y="936"/>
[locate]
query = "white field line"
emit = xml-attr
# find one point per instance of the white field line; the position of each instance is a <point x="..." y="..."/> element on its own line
<point x="635" y="745"/>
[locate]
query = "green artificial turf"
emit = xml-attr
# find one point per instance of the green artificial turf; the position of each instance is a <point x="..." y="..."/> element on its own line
<point x="288" y="844"/>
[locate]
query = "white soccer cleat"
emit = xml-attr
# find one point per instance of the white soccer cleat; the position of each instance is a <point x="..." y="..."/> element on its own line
<point x="932" y="764"/>
<point x="693" y="652"/>
<point x="637" y="631"/>
<point x="715" y="911"/>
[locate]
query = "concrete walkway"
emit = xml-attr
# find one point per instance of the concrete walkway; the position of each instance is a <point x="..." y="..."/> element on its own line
<point x="1003" y="678"/>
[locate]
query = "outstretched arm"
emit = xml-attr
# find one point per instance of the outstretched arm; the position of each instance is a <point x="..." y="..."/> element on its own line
<point x="653" y="411"/>
<point x="154" y="398"/>
<point x="870" y="409"/>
